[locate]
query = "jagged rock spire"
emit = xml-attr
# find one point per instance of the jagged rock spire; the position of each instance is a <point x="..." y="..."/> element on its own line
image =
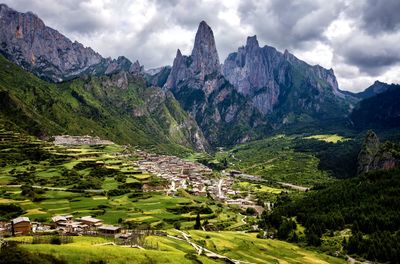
<point x="204" y="53"/>
<point x="203" y="61"/>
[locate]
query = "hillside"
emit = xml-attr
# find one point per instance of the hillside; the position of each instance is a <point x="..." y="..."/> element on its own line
<point x="118" y="107"/>
<point x="381" y="111"/>
<point x="368" y="204"/>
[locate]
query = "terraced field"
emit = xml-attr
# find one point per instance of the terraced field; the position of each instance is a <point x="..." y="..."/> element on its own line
<point x="99" y="180"/>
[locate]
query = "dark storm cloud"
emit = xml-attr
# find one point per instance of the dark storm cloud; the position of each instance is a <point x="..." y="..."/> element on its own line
<point x="289" y="24"/>
<point x="372" y="60"/>
<point x="381" y="16"/>
<point x="374" y="47"/>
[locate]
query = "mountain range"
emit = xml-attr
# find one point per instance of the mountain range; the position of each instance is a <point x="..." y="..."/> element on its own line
<point x="197" y="102"/>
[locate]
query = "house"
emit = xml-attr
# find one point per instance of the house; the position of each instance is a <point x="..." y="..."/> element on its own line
<point x="90" y="221"/>
<point x="109" y="229"/>
<point x="61" y="220"/>
<point x="21" y="226"/>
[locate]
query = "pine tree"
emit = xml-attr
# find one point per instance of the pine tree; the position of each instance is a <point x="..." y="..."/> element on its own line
<point x="197" y="225"/>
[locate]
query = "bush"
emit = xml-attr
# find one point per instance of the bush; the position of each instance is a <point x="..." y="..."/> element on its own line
<point x="55" y="241"/>
<point x="177" y="225"/>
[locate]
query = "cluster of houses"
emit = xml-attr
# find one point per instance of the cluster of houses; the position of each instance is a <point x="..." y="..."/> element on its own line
<point x="66" y="140"/>
<point x="181" y="174"/>
<point x="65" y="224"/>
<point x="193" y="176"/>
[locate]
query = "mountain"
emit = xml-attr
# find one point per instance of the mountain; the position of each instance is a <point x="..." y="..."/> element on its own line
<point x="282" y="86"/>
<point x="375" y="89"/>
<point x="118" y="107"/>
<point x="380" y="111"/>
<point x="28" y="42"/>
<point x="256" y="90"/>
<point x="225" y="116"/>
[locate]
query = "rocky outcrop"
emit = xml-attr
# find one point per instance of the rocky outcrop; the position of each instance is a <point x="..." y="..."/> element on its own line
<point x="377" y="156"/>
<point x="28" y="42"/>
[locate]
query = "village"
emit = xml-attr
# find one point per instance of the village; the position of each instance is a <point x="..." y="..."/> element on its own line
<point x="194" y="177"/>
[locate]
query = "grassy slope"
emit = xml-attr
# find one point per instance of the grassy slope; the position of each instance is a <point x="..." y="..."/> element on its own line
<point x="274" y="158"/>
<point x="244" y="247"/>
<point x="87" y="107"/>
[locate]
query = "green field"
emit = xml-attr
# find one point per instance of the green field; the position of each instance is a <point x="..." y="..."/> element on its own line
<point x="328" y="138"/>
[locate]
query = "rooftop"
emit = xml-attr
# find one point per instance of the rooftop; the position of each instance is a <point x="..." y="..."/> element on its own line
<point x="20" y="220"/>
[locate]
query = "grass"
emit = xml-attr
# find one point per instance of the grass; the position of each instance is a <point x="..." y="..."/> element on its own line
<point x="247" y="186"/>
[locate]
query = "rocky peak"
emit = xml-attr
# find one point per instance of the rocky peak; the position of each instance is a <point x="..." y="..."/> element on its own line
<point x="203" y="61"/>
<point x="204" y="53"/>
<point x="136" y="68"/>
<point x="252" y="42"/>
<point x="250" y="71"/>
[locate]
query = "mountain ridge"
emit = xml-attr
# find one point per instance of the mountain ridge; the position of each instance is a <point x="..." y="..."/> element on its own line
<point x="28" y="42"/>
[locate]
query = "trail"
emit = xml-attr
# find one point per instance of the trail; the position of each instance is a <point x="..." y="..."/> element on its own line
<point x="293" y="186"/>
<point x="220" y="195"/>
<point x="259" y="179"/>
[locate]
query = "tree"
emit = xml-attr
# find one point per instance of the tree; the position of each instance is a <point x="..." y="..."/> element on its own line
<point x="197" y="225"/>
<point x="251" y="211"/>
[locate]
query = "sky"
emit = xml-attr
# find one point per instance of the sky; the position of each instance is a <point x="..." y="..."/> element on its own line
<point x="359" y="39"/>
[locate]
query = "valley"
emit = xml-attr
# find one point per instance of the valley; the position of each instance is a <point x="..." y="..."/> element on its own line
<point x="258" y="156"/>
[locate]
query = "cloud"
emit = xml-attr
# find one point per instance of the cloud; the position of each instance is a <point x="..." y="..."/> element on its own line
<point x="372" y="55"/>
<point x="290" y="24"/>
<point x="358" y="39"/>
<point x="381" y="16"/>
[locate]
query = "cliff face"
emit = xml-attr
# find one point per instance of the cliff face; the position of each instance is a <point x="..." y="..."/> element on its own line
<point x="272" y="79"/>
<point x="28" y="42"/>
<point x="251" y="71"/>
